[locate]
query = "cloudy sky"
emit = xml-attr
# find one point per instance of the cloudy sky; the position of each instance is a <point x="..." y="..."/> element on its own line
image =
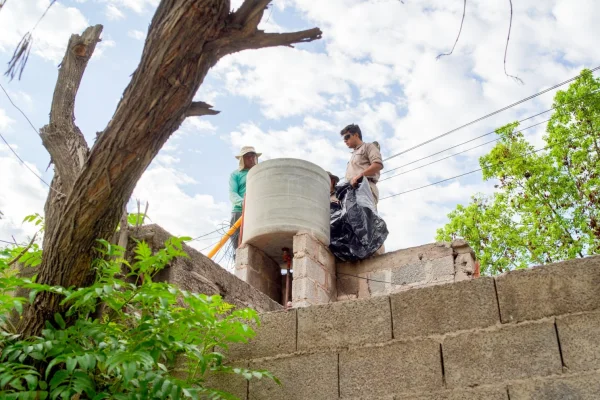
<point x="376" y="66"/>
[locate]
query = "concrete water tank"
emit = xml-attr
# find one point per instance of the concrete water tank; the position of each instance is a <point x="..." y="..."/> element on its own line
<point x="285" y="196"/>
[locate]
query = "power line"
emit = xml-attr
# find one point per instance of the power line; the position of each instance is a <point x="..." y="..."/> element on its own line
<point x="21" y="111"/>
<point x="478" y="169"/>
<point x="27" y="166"/>
<point x="487" y="116"/>
<point x="456" y="154"/>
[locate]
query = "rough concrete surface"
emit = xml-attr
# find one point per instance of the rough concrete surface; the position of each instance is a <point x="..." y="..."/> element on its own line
<point x="496" y="393"/>
<point x="199" y="274"/>
<point x="445" y="308"/>
<point x="344" y="323"/>
<point x="579" y="337"/>
<point x="577" y="387"/>
<point x="392" y="368"/>
<point x="397" y="258"/>
<point x="303" y="377"/>
<point x="285" y="196"/>
<point x="512" y="352"/>
<point x="561" y="288"/>
<point x="235" y="384"/>
<point x="275" y="335"/>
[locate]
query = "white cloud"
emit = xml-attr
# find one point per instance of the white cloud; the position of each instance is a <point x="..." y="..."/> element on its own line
<point x="5" y="120"/>
<point x="175" y="209"/>
<point x="137" y="35"/>
<point x="113" y="13"/>
<point x="22" y="194"/>
<point x="137" y="6"/>
<point x="51" y="35"/>
<point x="102" y="47"/>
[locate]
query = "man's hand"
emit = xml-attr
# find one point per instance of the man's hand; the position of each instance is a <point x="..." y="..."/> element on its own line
<point x="354" y="181"/>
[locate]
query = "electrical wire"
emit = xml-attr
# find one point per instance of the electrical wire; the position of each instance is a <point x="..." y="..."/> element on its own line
<point x="456" y="154"/>
<point x="487" y="116"/>
<point x="487" y="134"/>
<point x="27" y="166"/>
<point x="478" y="169"/>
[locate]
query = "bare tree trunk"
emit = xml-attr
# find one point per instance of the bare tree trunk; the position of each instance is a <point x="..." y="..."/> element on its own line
<point x="185" y="39"/>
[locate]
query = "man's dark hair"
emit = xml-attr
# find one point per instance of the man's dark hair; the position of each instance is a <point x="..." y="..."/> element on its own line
<point x="352" y="128"/>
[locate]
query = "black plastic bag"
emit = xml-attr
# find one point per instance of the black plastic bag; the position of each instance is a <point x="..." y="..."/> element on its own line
<point x="357" y="231"/>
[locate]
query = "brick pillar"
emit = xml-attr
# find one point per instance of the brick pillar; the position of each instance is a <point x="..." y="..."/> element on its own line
<point x="314" y="272"/>
<point x="259" y="270"/>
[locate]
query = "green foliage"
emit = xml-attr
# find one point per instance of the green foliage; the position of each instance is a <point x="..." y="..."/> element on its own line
<point x="547" y="206"/>
<point x="123" y="337"/>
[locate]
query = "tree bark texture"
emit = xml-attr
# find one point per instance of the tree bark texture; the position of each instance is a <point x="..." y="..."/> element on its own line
<point x="185" y="39"/>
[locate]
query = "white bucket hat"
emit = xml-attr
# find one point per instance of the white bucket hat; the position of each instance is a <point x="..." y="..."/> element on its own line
<point x="245" y="150"/>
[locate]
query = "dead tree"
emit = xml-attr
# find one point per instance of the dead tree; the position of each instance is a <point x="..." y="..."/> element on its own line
<point x="90" y="187"/>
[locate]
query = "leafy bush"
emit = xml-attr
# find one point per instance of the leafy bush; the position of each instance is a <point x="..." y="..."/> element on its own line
<point x="149" y="341"/>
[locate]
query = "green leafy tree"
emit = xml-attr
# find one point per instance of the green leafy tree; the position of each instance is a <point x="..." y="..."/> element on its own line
<point x="546" y="207"/>
<point x="150" y="341"/>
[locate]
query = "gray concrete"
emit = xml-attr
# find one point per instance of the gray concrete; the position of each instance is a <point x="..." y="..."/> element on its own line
<point x="513" y="352"/>
<point x="275" y="335"/>
<point x="574" y="387"/>
<point x="393" y="368"/>
<point x="285" y="196"/>
<point x="344" y="324"/>
<point x="493" y="393"/>
<point x="199" y="274"/>
<point x="313" y="376"/>
<point x="445" y="308"/>
<point x="235" y="384"/>
<point x="561" y="288"/>
<point x="580" y="341"/>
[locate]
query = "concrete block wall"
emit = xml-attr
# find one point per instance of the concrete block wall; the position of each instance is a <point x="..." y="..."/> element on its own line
<point x="259" y="270"/>
<point x="422" y="266"/>
<point x="525" y="335"/>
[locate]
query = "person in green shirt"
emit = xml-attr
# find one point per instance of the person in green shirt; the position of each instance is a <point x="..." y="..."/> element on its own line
<point x="248" y="158"/>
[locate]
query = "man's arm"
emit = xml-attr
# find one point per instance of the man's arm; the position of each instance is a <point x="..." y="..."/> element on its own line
<point x="374" y="156"/>
<point x="234" y="188"/>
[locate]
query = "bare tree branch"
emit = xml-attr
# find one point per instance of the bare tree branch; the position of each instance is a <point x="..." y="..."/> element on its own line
<point x="459" y="31"/>
<point x="234" y="43"/>
<point x="199" y="108"/>
<point x="249" y="11"/>
<point x="61" y="137"/>
<point x="516" y="78"/>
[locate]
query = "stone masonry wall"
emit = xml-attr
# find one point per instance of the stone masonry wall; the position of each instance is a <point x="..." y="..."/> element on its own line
<point x="525" y="335"/>
<point x="422" y="266"/>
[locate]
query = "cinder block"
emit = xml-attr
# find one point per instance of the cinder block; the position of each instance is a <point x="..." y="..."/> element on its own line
<point x="490" y="393"/>
<point x="345" y="323"/>
<point x="242" y="272"/>
<point x="378" y="285"/>
<point x="561" y="288"/>
<point x="393" y="368"/>
<point x="579" y="337"/>
<point x="304" y="244"/>
<point x="275" y="335"/>
<point x="445" y="308"/>
<point x="309" y="376"/>
<point x="304" y="289"/>
<point x="242" y="255"/>
<point x="347" y="285"/>
<point x="578" y="387"/>
<point x="235" y="384"/>
<point x="307" y="267"/>
<point x="464" y="265"/>
<point x="513" y="352"/>
<point x="441" y="268"/>
<point x="410" y="273"/>
<point x="326" y="258"/>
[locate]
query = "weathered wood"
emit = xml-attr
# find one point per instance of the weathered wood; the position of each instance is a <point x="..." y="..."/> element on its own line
<point x="185" y="39"/>
<point x="199" y="108"/>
